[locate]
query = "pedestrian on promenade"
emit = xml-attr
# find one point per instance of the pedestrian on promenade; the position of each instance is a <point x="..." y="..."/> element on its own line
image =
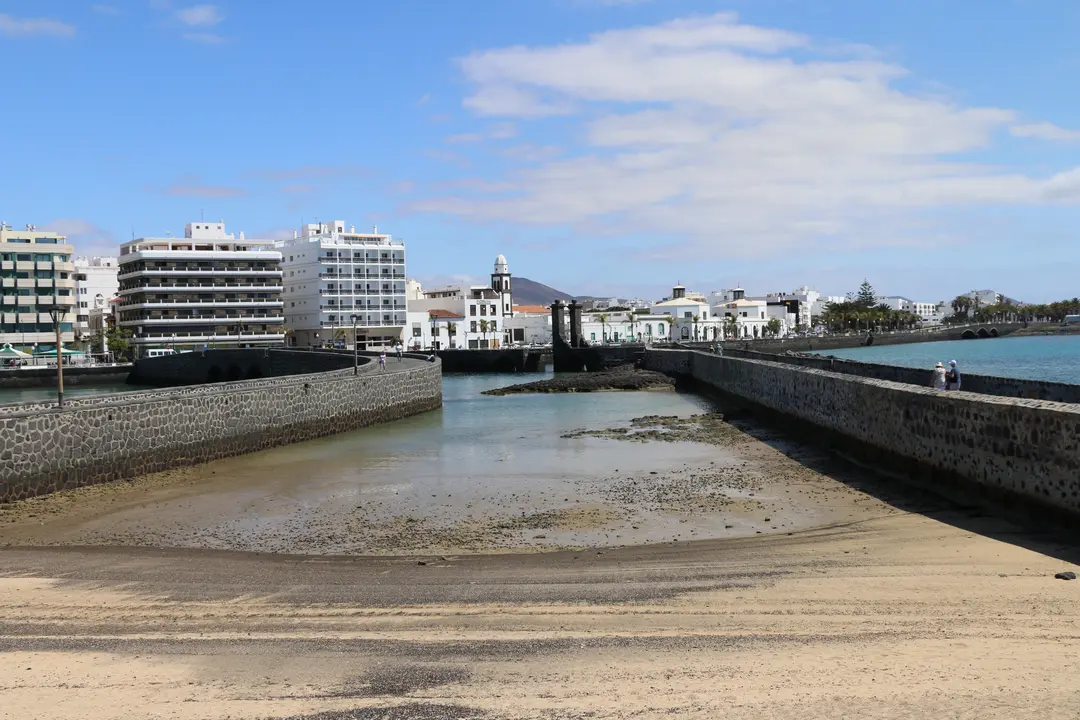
<point x="938" y="379"/>
<point x="382" y="360"/>
<point x="397" y="349"/>
<point x="952" y="376"/>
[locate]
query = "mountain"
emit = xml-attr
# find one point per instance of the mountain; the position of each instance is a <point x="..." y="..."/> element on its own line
<point x="530" y="292"/>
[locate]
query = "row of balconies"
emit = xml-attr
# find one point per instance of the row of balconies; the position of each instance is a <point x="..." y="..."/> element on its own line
<point x="230" y="320"/>
<point x="38" y="300"/>
<point x="208" y="337"/>
<point x="359" y="292"/>
<point x="29" y="265"/>
<point x="360" y="276"/>
<point x="240" y="302"/>
<point x="369" y="321"/>
<point x="30" y="317"/>
<point x="212" y="287"/>
<point x="68" y="283"/>
<point x="372" y="306"/>
<point x="365" y="260"/>
<point x="196" y="272"/>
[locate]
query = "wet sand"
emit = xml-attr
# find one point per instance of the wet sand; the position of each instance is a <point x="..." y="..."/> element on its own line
<point x="907" y="616"/>
<point x="669" y="478"/>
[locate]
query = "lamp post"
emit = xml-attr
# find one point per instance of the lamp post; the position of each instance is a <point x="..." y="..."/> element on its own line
<point x="56" y="312"/>
<point x="355" y="352"/>
<point x="434" y="335"/>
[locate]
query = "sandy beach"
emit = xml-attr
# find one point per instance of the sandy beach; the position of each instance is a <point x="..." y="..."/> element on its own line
<point x="907" y="616"/>
<point x="719" y="569"/>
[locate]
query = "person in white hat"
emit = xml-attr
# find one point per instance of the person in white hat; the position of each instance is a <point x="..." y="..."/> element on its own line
<point x="938" y="381"/>
<point x="952" y="377"/>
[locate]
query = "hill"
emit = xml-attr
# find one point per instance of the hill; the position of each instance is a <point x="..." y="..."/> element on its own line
<point x="530" y="292"/>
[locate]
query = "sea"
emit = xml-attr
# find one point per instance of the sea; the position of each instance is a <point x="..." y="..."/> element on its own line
<point x="1055" y="358"/>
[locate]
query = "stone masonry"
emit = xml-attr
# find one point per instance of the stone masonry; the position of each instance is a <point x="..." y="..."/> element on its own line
<point x="44" y="449"/>
<point x="1005" y="451"/>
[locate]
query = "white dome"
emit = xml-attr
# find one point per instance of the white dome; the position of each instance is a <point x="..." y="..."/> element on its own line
<point x="500" y="265"/>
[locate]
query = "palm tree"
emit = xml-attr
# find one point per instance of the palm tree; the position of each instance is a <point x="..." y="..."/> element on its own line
<point x="731" y="327"/>
<point x="603" y="327"/>
<point x="484" y="330"/>
<point x="774" y="326"/>
<point x="671" y="327"/>
<point x="451" y="331"/>
<point x="697" y="319"/>
<point x="633" y="320"/>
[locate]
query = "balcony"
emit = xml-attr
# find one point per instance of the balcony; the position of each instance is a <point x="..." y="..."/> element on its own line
<point x="200" y="337"/>
<point x="198" y="272"/>
<point x="211" y="302"/>
<point x="207" y="320"/>
<point x="216" y="287"/>
<point x="25" y="265"/>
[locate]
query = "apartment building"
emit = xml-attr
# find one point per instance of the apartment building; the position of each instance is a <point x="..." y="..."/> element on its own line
<point x="333" y="275"/>
<point x="36" y="276"/>
<point x="96" y="285"/>
<point x="207" y="288"/>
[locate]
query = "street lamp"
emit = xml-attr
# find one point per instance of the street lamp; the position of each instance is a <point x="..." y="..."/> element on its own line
<point x="355" y="353"/>
<point x="434" y="335"/>
<point x="56" y="312"/>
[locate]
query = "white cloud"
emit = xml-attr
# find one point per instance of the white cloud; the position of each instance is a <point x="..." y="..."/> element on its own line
<point x="720" y="133"/>
<point x="200" y="16"/>
<point x="26" y="27"/>
<point x="88" y="238"/>
<point x="1045" y="131"/>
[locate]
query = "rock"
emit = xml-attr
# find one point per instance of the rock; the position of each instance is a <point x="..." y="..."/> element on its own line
<point x="620" y="378"/>
<point x="421" y="562"/>
<point x="1067" y="575"/>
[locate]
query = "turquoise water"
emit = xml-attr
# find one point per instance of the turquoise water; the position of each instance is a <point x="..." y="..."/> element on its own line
<point x="1053" y="358"/>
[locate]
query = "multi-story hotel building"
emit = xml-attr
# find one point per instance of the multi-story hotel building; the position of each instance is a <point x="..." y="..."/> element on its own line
<point x="36" y="275"/>
<point x="333" y="275"/>
<point x="207" y="288"/>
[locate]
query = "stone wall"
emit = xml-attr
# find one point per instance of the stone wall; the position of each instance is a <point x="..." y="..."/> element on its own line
<point x="1021" y="455"/>
<point x="94" y="440"/>
<point x="229" y="365"/>
<point x="981" y="384"/>
<point x="903" y="337"/>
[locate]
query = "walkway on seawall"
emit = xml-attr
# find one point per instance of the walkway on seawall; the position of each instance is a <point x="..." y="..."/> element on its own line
<point x="1019" y="456"/>
<point x="92" y="440"/>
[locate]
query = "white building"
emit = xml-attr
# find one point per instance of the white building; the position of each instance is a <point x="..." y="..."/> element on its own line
<point x="483" y="310"/>
<point x="207" y="288"/>
<point x="36" y="274"/>
<point x="530" y="325"/>
<point x="333" y="277"/>
<point x="96" y="285"/>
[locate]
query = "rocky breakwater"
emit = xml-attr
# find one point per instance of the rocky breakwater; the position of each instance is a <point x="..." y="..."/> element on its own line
<point x="44" y="449"/>
<point x="621" y="378"/>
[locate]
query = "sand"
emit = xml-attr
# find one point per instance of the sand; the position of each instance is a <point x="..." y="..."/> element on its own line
<point x="907" y="616"/>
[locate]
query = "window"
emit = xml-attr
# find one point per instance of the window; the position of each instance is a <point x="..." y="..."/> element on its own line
<point x="472" y="311"/>
<point x="483" y="309"/>
<point x="592" y="336"/>
<point x="417" y="331"/>
<point x="472" y="327"/>
<point x="660" y="329"/>
<point x="82" y="303"/>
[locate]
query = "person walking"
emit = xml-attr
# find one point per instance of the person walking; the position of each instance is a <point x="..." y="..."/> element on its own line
<point x="397" y="349"/>
<point x="938" y="379"/>
<point x="382" y="360"/>
<point x="952" y="377"/>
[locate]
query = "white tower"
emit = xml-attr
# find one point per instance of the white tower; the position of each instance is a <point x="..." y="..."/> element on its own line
<point x="500" y="283"/>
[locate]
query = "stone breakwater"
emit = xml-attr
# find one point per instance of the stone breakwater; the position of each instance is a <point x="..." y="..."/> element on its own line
<point x="1015" y="454"/>
<point x="981" y="384"/>
<point x="44" y="449"/>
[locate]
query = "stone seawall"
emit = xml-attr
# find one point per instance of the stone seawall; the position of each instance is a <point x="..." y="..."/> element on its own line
<point x="981" y="384"/>
<point x="1019" y="455"/>
<point x="44" y="449"/>
<point x="840" y="342"/>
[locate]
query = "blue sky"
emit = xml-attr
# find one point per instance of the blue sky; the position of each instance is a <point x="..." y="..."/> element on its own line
<point x="605" y="146"/>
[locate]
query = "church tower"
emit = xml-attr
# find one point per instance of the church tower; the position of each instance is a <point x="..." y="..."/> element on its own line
<point x="500" y="283"/>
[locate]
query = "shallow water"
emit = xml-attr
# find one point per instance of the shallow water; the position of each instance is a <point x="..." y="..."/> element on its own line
<point x="483" y="473"/>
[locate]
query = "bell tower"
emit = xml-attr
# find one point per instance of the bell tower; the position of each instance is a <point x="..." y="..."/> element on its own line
<point x="500" y="283"/>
